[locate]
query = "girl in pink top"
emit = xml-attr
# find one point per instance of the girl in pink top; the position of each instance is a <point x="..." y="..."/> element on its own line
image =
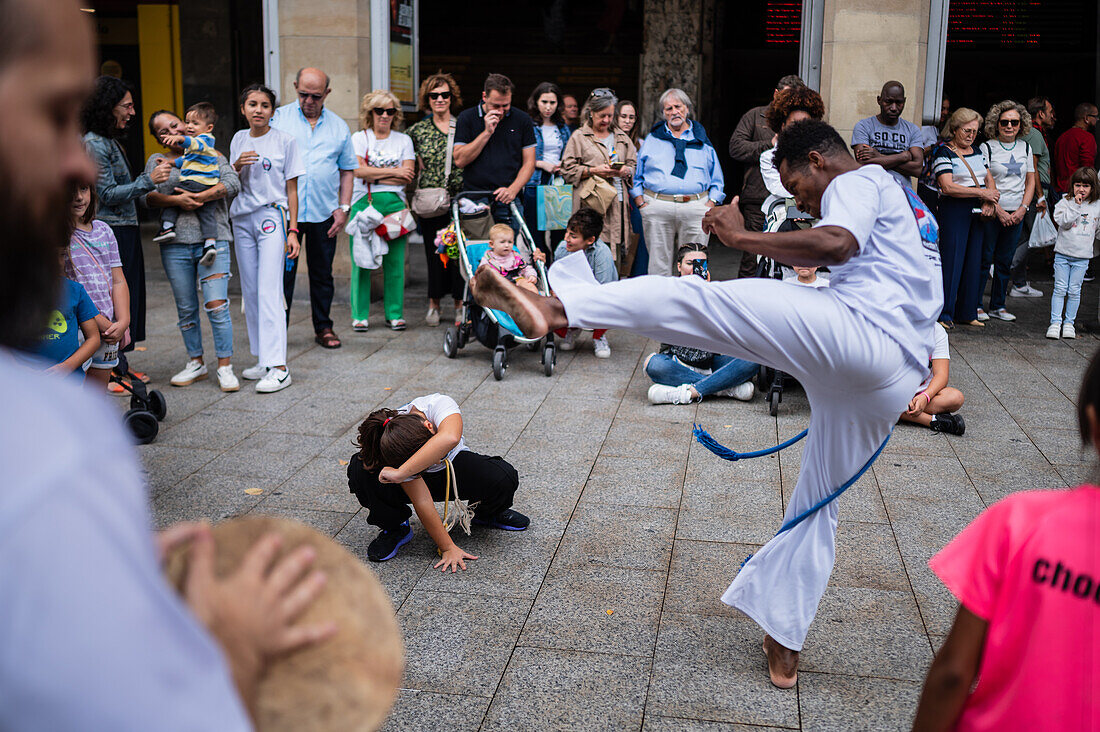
<point x="1024" y="652"/>
<point x="504" y="259"/>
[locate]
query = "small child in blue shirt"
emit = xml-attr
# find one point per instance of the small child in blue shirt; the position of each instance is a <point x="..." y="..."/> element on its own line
<point x="75" y="314"/>
<point x="198" y="172"/>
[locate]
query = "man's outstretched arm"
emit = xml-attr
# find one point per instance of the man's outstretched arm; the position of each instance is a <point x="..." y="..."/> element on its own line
<point x="821" y="246"/>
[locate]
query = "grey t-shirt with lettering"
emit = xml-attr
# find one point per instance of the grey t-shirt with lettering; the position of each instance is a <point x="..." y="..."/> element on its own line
<point x="888" y="140"/>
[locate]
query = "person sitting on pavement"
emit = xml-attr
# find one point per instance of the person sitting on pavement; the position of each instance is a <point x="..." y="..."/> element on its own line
<point x="683" y="375"/>
<point x="935" y="403"/>
<point x="888" y="140"/>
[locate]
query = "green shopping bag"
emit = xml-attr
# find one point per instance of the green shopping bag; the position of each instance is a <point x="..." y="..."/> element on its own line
<point x="554" y="204"/>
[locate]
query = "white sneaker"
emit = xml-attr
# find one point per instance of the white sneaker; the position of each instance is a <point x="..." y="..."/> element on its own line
<point x="569" y="342"/>
<point x="603" y="348"/>
<point x="432" y="318"/>
<point x="460" y="315"/>
<point x="274" y="380"/>
<point x="195" y="370"/>
<point x="1068" y="331"/>
<point x="982" y="315"/>
<point x="741" y="392"/>
<point x="227" y="380"/>
<point x="1026" y="291"/>
<point x="1054" y="332"/>
<point x="254" y="373"/>
<point x="1002" y="314"/>
<point x="661" y="394"/>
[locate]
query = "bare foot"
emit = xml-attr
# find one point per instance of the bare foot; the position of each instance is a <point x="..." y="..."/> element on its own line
<point x="782" y="663"/>
<point x="536" y="315"/>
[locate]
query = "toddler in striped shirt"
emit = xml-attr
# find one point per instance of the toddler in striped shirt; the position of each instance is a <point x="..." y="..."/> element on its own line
<point x="198" y="172"/>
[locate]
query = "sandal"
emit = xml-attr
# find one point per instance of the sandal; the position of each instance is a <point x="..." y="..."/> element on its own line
<point x="327" y="339"/>
<point x="947" y="324"/>
<point x="398" y="324"/>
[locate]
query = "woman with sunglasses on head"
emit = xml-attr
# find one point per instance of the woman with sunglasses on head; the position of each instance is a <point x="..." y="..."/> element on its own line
<point x="387" y="164"/>
<point x="551" y="135"/>
<point x="440" y="101"/>
<point x="1012" y="166"/>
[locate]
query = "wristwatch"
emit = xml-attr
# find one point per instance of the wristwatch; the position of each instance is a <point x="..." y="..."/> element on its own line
<point x="345" y="207"/>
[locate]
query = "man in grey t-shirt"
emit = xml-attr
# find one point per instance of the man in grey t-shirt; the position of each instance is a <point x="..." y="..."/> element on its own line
<point x="888" y="140"/>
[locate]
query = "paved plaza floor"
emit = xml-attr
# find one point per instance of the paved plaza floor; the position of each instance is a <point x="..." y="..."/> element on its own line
<point x="605" y="614"/>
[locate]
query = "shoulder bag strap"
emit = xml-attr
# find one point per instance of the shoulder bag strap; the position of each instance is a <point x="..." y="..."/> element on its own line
<point x="450" y="152"/>
<point x="971" y="170"/>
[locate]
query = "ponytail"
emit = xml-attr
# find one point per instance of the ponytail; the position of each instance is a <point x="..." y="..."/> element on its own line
<point x="388" y="438"/>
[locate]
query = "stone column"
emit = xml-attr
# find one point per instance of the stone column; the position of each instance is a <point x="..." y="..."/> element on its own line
<point x="673" y="55"/>
<point x="865" y="44"/>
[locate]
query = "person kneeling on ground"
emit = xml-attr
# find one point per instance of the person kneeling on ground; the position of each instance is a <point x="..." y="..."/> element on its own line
<point x="420" y="439"/>
<point x="683" y="375"/>
<point x="935" y="401"/>
<point x="582" y="233"/>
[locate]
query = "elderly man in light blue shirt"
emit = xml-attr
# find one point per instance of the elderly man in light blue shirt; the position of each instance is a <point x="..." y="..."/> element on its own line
<point x="677" y="179"/>
<point x="324" y="192"/>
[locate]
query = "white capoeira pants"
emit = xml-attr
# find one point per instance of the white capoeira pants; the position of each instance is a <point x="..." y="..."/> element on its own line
<point x="857" y="378"/>
<point x="260" y="241"/>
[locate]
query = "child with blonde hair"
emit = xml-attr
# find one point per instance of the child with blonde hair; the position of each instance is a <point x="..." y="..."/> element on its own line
<point x="506" y="260"/>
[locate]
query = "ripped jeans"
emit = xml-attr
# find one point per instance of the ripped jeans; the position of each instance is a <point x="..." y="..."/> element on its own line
<point x="181" y="264"/>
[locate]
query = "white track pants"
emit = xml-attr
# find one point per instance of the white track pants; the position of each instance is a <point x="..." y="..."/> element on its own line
<point x="260" y="241"/>
<point x="857" y="379"/>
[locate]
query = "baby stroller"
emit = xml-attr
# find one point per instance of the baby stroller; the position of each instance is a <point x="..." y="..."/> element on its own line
<point x="147" y="406"/>
<point x="492" y="328"/>
<point x="780" y="215"/>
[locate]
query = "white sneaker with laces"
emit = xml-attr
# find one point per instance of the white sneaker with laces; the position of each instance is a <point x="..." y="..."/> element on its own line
<point x="982" y="315"/>
<point x="254" y="373"/>
<point x="227" y="380"/>
<point x="274" y="380"/>
<point x="569" y="342"/>
<point x="1054" y="332"/>
<point x="661" y="394"/>
<point x="1026" y="291"/>
<point x="1068" y="331"/>
<point x="603" y="348"/>
<point x="432" y="318"/>
<point x="1002" y="314"/>
<point x="195" y="370"/>
<point x="741" y="392"/>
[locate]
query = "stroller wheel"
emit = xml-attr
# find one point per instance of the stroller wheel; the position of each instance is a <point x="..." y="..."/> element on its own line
<point x="450" y="342"/>
<point x="774" y="397"/>
<point x="463" y="336"/>
<point x="500" y="362"/>
<point x="157" y="405"/>
<point x="549" y="356"/>
<point x="142" y="424"/>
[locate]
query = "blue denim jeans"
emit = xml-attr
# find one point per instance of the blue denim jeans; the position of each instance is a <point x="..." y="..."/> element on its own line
<point x="181" y="264"/>
<point x="1069" y="273"/>
<point x="727" y="373"/>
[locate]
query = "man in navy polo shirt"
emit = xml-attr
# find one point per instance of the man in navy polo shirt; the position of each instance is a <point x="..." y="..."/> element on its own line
<point x="495" y="147"/>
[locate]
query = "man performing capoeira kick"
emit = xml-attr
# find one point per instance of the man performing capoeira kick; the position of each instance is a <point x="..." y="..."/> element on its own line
<point x="860" y="347"/>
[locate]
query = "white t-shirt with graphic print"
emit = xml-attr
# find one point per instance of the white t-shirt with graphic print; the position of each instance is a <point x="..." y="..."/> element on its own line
<point x="388" y="153"/>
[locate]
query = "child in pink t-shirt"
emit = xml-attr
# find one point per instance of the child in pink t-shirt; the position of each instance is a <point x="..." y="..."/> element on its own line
<point x="1026" y="573"/>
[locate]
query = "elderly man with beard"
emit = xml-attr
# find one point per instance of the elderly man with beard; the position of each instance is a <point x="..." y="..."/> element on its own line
<point x="93" y="637"/>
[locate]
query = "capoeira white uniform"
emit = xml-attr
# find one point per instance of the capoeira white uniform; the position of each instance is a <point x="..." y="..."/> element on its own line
<point x="859" y="347"/>
<point x="259" y="237"/>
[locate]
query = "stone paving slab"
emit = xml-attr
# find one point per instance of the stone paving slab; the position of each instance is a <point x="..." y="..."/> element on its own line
<point x="628" y="515"/>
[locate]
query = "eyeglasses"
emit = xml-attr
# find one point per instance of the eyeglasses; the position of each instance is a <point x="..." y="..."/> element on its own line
<point x="388" y="111"/>
<point x="314" y="97"/>
<point x="1009" y="122"/>
<point x="128" y="107"/>
<point x="439" y="95"/>
<point x="603" y="91"/>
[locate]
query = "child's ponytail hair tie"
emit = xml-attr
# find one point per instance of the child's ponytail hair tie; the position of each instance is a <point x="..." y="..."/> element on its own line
<point x="386" y="421"/>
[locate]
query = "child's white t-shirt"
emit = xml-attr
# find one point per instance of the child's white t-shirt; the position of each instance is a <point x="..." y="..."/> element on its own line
<point x="388" y="153"/>
<point x="264" y="181"/>
<point x="436" y="408"/>
<point x="941" y="350"/>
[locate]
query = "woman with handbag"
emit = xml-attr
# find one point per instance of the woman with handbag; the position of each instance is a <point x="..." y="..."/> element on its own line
<point x="387" y="164"/>
<point x="433" y="142"/>
<point x="959" y="170"/>
<point x="599" y="161"/>
<point x="551" y="135"/>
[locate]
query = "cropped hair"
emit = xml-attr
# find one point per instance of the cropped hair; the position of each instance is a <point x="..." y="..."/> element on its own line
<point x="961" y="116"/>
<point x="994" y="115"/>
<point x="389" y="439"/>
<point x="1036" y="105"/>
<point x="790" y="80"/>
<point x="98" y="113"/>
<point x="586" y="222"/>
<point x="686" y="249"/>
<point x="431" y="83"/>
<point x="679" y="94"/>
<point x="546" y="87"/>
<point x="498" y="229"/>
<point x="257" y="88"/>
<point x="794" y="99"/>
<point x="1089" y="396"/>
<point x="797" y="141"/>
<point x="380" y="98"/>
<point x="498" y="83"/>
<point x="205" y="111"/>
<point x="1088" y="177"/>
<point x="1083" y="110"/>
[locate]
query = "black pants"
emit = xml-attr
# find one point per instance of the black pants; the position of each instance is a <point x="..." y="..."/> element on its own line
<point x="319" y="250"/>
<point x="489" y="481"/>
<point x="133" y="269"/>
<point x="441" y="279"/>
<point x="207" y="215"/>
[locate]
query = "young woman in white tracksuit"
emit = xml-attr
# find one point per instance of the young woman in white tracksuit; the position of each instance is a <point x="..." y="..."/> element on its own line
<point x="265" y="233"/>
<point x="859" y="347"/>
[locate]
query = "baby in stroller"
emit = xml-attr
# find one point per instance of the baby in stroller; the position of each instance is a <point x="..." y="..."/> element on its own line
<point x="504" y="259"/>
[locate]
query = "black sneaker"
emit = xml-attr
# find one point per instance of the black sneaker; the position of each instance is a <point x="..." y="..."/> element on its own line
<point x="507" y="519"/>
<point x="386" y="544"/>
<point x="952" y="424"/>
<point x="209" y="254"/>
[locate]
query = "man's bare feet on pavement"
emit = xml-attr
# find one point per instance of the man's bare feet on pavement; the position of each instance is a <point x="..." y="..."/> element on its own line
<point x="536" y="315"/>
<point x="782" y="663"/>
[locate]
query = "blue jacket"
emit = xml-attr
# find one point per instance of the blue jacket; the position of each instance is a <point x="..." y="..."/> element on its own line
<point x="599" y="259"/>
<point x="541" y="177"/>
<point x="114" y="186"/>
